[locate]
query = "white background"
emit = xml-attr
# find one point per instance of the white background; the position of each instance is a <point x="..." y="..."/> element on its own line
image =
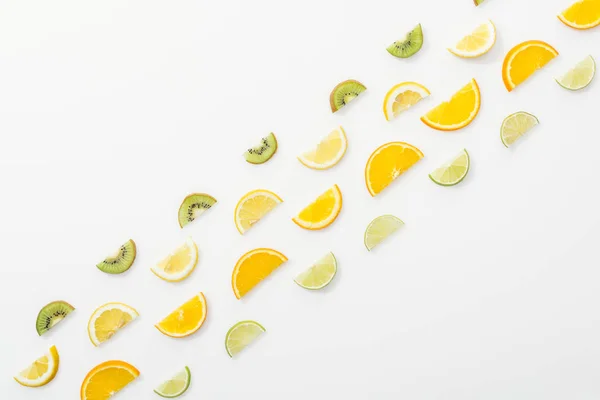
<point x="111" y="112"/>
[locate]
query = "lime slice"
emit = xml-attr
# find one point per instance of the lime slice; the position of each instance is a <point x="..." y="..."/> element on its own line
<point x="241" y="335"/>
<point x="580" y="76"/>
<point x="380" y="228"/>
<point x="175" y="386"/>
<point x="516" y="125"/>
<point x="319" y="275"/>
<point x="452" y="172"/>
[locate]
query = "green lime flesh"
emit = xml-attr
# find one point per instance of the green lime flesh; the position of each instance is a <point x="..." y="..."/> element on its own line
<point x="380" y="229"/>
<point x="453" y="172"/>
<point x="409" y="46"/>
<point x="580" y="76"/>
<point x="318" y="275"/>
<point x="516" y="125"/>
<point x="241" y="335"/>
<point x="176" y="386"/>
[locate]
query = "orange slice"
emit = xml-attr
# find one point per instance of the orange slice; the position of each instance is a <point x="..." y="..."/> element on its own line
<point x="322" y="212"/>
<point x="457" y="113"/>
<point x="186" y="319"/>
<point x="583" y="14"/>
<point x="523" y="60"/>
<point x="252" y="268"/>
<point x="107" y="379"/>
<point x="389" y="162"/>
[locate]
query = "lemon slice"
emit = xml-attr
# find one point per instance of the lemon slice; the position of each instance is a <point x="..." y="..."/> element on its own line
<point x="580" y="76"/>
<point x="322" y="212"/>
<point x="476" y="43"/>
<point x="108" y="319"/>
<point x="186" y="319"/>
<point x="452" y="172"/>
<point x="178" y="265"/>
<point x="252" y="207"/>
<point x="380" y="228"/>
<point x="328" y="152"/>
<point x="516" y="125"/>
<point x="241" y="335"/>
<point x="176" y="386"/>
<point x="401" y="97"/>
<point x="41" y="371"/>
<point x="319" y="275"/>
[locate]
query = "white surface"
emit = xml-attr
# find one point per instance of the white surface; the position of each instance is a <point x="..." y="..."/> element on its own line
<point x="112" y="112"/>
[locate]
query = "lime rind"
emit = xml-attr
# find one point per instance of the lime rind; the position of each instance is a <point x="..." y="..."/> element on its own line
<point x="516" y="125"/>
<point x="453" y="172"/>
<point x="173" y="387"/>
<point x="380" y="229"/>
<point x="250" y="330"/>
<point x="318" y="275"/>
<point x="579" y="76"/>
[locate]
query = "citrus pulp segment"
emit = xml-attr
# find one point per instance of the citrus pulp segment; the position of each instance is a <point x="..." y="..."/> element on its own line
<point x="176" y="385"/>
<point x="401" y="97"/>
<point x="380" y="228"/>
<point x="319" y="275"/>
<point x="241" y="335"/>
<point x="477" y="43"/>
<point x="582" y="14"/>
<point x="178" y="265"/>
<point x="453" y="172"/>
<point x="41" y="371"/>
<point x="388" y="162"/>
<point x="322" y="212"/>
<point x="516" y="125"/>
<point x="580" y="76"/>
<point x="328" y="152"/>
<point x="523" y="60"/>
<point x="106" y="379"/>
<point x="107" y="320"/>
<point x="252" y="268"/>
<point x="252" y="207"/>
<point x="458" y="112"/>
<point x="186" y="319"/>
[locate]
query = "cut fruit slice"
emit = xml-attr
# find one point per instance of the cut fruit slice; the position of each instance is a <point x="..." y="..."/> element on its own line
<point x="457" y="113"/>
<point x="108" y="319"/>
<point x="263" y="152"/>
<point x="344" y="93"/>
<point x="252" y="268"/>
<point x="380" y="228"/>
<point x="478" y="2"/>
<point x="176" y="386"/>
<point x="328" y="152"/>
<point x="401" y="97"/>
<point x="583" y="14"/>
<point x="241" y="335"/>
<point x="252" y="207"/>
<point x="322" y="212"/>
<point x="186" y="319"/>
<point x="580" y="76"/>
<point x="319" y="275"/>
<point x="452" y="172"/>
<point x="410" y="45"/>
<point x="516" y="125"/>
<point x="476" y="43"/>
<point x="106" y="379"/>
<point x="120" y="261"/>
<point x="193" y="206"/>
<point x="523" y="60"/>
<point x="51" y="314"/>
<point x="41" y="371"/>
<point x="178" y="265"/>
<point x="388" y="162"/>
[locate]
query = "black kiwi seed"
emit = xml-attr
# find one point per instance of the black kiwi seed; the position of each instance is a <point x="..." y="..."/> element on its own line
<point x="51" y="314"/>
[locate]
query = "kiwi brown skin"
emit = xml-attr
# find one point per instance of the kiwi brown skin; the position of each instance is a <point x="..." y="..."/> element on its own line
<point x="264" y="142"/>
<point x="115" y="266"/>
<point x="334" y="107"/>
<point x="184" y="215"/>
<point x="54" y="310"/>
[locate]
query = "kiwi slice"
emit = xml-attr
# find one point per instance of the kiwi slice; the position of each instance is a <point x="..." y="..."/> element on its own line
<point x="51" y="314"/>
<point x="412" y="42"/>
<point x="120" y="261"/>
<point x="194" y="205"/>
<point x="263" y="152"/>
<point x="344" y="93"/>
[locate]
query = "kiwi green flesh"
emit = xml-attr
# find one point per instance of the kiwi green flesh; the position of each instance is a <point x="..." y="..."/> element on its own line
<point x="51" y="314"/>
<point x="121" y="261"/>
<point x="344" y="93"/>
<point x="193" y="206"/>
<point x="409" y="46"/>
<point x="263" y="152"/>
